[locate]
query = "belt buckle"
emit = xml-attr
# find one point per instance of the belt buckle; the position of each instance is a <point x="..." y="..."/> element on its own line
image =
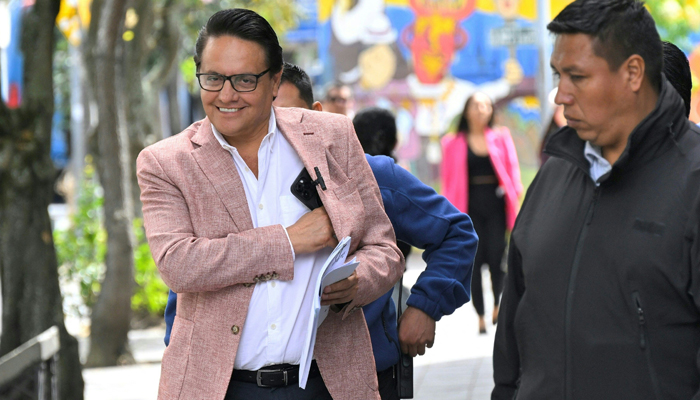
<point x="258" y="377"/>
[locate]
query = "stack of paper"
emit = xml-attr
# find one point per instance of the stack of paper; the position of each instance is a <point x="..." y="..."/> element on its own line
<point x="333" y="270"/>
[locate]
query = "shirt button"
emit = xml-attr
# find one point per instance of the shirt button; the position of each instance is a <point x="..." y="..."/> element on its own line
<point x="273" y="327"/>
<point x="260" y="206"/>
<point x="273" y="284"/>
<point x="235" y="329"/>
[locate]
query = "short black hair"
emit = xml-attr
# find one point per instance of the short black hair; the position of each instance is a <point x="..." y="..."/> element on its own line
<point x="243" y="24"/>
<point x="620" y="28"/>
<point x="677" y="71"/>
<point x="299" y="78"/>
<point x="463" y="125"/>
<point x="376" y="129"/>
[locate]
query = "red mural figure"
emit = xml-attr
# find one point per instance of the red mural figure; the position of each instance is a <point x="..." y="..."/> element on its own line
<point x="435" y="36"/>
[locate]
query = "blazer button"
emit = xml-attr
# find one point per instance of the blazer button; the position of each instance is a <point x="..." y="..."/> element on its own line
<point x="268" y="277"/>
<point x="275" y="276"/>
<point x="235" y="329"/>
<point x="247" y="284"/>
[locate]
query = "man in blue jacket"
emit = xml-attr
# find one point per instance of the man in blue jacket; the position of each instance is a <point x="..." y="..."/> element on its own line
<point x="421" y="218"/>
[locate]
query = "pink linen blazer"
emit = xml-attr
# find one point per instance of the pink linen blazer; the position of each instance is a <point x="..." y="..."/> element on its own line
<point x="454" y="173"/>
<point x="201" y="235"/>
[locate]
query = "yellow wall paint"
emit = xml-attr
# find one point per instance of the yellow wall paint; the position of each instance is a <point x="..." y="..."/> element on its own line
<point x="557" y="5"/>
<point x="527" y="8"/>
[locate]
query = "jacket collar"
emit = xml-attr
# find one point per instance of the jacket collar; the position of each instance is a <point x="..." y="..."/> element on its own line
<point x="654" y="134"/>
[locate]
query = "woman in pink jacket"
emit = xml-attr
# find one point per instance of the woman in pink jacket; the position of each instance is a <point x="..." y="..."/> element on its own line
<point x="481" y="176"/>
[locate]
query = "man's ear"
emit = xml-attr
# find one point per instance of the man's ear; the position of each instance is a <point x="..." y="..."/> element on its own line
<point x="635" y="69"/>
<point x="317" y="106"/>
<point x="276" y="82"/>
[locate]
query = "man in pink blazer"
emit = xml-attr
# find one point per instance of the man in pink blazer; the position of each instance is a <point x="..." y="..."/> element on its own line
<point x="229" y="238"/>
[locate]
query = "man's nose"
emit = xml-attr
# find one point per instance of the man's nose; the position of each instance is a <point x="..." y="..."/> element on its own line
<point x="228" y="93"/>
<point x="562" y="98"/>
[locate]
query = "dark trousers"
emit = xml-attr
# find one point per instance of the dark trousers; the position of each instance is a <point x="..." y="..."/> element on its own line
<point x="387" y="384"/>
<point x="315" y="390"/>
<point x="488" y="215"/>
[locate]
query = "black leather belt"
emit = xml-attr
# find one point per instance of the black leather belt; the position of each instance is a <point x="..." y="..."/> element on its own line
<point x="274" y="375"/>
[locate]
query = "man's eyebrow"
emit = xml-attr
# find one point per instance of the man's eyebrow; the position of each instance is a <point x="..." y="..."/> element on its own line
<point x="568" y="69"/>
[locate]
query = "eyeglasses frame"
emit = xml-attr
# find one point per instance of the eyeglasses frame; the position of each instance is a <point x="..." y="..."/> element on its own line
<point x="230" y="79"/>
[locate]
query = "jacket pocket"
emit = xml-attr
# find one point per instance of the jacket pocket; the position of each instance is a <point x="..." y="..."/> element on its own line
<point x="644" y="344"/>
<point x="175" y="359"/>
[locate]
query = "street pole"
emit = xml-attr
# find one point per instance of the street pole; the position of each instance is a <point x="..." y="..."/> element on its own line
<point x="544" y="45"/>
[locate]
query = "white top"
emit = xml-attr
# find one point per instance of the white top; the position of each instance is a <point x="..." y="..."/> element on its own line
<point x="276" y="326"/>
<point x="599" y="165"/>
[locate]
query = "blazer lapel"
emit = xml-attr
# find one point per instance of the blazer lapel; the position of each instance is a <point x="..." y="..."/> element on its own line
<point x="219" y="167"/>
<point x="306" y="142"/>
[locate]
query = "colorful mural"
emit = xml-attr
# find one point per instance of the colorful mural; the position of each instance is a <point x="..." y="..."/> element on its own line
<point x="423" y="58"/>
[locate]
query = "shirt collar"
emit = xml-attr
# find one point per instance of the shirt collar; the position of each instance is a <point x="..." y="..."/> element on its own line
<point x="269" y="138"/>
<point x="599" y="165"/>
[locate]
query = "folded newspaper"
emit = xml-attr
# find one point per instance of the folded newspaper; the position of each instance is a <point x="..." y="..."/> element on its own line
<point x="334" y="269"/>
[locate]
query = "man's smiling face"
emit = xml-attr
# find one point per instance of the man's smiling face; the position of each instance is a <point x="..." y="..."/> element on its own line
<point x="238" y="116"/>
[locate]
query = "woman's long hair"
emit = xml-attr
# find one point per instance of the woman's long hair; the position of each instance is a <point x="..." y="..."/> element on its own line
<point x="463" y="125"/>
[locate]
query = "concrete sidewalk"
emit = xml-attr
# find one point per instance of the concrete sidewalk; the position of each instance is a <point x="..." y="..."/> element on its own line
<point x="457" y="367"/>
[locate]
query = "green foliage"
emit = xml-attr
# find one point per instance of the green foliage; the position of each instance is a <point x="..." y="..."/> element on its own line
<point x="151" y="293"/>
<point x="676" y="20"/>
<point x="82" y="248"/>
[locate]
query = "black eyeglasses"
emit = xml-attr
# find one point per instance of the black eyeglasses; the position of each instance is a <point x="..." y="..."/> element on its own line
<point x="240" y="82"/>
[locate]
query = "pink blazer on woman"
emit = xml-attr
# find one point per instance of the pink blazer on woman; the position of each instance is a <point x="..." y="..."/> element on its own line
<point x="455" y="175"/>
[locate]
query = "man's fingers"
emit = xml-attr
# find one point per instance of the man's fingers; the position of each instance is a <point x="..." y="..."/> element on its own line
<point x="342" y="285"/>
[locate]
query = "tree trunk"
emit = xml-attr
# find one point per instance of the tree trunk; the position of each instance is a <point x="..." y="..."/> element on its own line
<point x="140" y="111"/>
<point x="28" y="266"/>
<point x="111" y="315"/>
<point x="143" y="87"/>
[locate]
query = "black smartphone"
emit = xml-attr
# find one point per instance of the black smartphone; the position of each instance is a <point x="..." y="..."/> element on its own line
<point x="304" y="189"/>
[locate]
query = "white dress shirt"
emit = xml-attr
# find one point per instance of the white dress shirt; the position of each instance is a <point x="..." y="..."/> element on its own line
<point x="278" y="314"/>
<point x="599" y="165"/>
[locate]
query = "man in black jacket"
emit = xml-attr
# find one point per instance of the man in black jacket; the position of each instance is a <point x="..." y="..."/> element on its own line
<point x="603" y="295"/>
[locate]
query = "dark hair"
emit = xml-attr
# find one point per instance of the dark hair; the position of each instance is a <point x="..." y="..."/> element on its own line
<point x="376" y="129"/>
<point x="243" y="24"/>
<point x="463" y="125"/>
<point x="620" y="28"/>
<point x="297" y="77"/>
<point x="677" y="71"/>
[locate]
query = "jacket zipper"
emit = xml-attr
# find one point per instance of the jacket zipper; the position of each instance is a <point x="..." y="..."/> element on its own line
<point x="644" y="342"/>
<point x="570" y="294"/>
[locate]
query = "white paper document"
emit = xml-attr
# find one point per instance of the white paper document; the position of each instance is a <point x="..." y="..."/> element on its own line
<point x="334" y="269"/>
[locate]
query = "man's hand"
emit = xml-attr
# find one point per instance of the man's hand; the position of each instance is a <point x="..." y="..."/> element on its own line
<point x="416" y="331"/>
<point x="312" y="232"/>
<point x="341" y="292"/>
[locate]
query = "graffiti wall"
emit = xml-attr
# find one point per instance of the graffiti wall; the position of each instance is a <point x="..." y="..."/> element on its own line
<point x="424" y="58"/>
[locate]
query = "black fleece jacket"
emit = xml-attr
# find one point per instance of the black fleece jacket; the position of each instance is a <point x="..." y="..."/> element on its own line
<point x="602" y="299"/>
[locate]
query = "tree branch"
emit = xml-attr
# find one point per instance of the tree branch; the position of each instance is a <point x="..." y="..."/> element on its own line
<point x="169" y="36"/>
